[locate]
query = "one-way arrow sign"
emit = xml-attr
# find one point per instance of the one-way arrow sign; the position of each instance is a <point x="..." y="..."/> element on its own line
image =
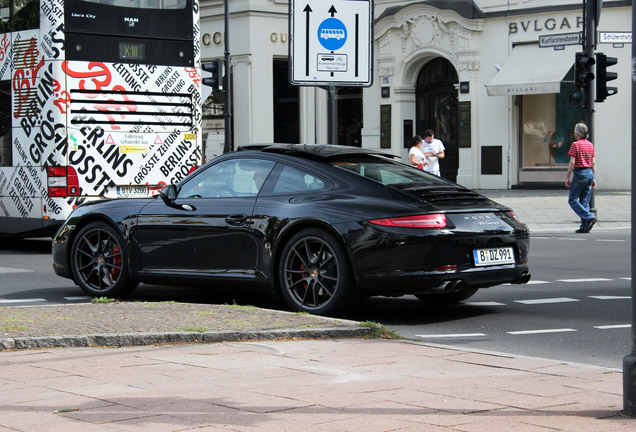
<point x="331" y="42"/>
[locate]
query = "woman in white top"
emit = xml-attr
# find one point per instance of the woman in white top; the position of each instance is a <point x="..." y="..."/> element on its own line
<point x="416" y="157"/>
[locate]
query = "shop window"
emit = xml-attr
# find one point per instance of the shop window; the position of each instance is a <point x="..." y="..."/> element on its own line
<point x="547" y="122"/>
<point x="286" y="109"/>
<point x="5" y="124"/>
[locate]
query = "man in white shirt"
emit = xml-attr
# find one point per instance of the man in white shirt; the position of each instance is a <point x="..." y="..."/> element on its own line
<point x="433" y="149"/>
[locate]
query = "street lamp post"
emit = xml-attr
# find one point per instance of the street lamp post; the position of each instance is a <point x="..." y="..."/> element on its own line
<point x="629" y="362"/>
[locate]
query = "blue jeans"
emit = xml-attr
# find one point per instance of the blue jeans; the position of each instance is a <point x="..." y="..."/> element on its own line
<point x="580" y="194"/>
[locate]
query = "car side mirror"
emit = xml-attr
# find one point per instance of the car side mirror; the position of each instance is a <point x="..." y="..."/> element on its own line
<point x="168" y="194"/>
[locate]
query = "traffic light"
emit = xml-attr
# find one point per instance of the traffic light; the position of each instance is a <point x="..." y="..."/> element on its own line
<point x="215" y="67"/>
<point x="603" y="76"/>
<point x="582" y="75"/>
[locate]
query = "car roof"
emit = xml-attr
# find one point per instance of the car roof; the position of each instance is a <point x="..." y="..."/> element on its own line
<point x="316" y="150"/>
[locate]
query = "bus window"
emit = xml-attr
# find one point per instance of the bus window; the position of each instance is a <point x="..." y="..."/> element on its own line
<point x="4" y="15"/>
<point x="5" y="124"/>
<point x="26" y="15"/>
<point x="143" y="4"/>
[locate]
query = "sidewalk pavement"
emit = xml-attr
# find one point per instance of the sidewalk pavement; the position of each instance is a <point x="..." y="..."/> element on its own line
<point x="549" y="211"/>
<point x="292" y="373"/>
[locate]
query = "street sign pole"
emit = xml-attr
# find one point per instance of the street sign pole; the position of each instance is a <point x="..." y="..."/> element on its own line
<point x="629" y="362"/>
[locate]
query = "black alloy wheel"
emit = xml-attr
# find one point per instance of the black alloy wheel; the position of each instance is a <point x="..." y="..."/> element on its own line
<point x="99" y="261"/>
<point x="315" y="274"/>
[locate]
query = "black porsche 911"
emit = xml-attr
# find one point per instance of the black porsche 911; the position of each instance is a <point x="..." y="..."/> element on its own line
<point x="319" y="225"/>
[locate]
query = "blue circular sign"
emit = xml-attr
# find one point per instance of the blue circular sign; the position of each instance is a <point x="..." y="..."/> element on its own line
<point x="332" y="34"/>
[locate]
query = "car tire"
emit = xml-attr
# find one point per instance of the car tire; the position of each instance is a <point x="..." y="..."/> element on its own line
<point x="314" y="273"/>
<point x="99" y="261"/>
<point x="448" y="298"/>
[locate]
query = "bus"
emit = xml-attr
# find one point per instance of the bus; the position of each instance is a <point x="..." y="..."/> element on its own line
<point x="99" y="99"/>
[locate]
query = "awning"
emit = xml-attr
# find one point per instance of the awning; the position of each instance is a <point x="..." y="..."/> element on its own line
<point x="533" y="70"/>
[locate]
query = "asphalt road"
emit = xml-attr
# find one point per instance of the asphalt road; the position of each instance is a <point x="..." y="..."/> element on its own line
<point x="576" y="308"/>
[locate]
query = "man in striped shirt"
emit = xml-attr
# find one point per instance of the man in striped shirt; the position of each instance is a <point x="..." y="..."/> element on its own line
<point x="582" y="168"/>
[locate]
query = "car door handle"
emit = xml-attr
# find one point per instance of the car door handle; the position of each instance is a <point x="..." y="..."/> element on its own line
<point x="236" y="219"/>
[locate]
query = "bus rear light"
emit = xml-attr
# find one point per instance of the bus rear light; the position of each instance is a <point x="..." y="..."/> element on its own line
<point x="62" y="182"/>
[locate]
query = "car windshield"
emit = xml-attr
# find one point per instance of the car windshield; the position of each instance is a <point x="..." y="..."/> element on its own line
<point x="389" y="173"/>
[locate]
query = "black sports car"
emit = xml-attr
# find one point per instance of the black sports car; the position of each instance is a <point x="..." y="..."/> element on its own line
<point x="317" y="224"/>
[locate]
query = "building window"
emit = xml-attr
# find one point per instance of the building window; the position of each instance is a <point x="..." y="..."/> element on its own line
<point x="547" y="122"/>
<point x="349" y="101"/>
<point x="286" y="109"/>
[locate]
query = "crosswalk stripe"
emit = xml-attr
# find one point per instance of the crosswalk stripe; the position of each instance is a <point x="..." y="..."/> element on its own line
<point x="585" y="280"/>
<point x="456" y="335"/>
<point x="526" y="332"/>
<point x="14" y="270"/>
<point x="610" y="297"/>
<point x="616" y="326"/>
<point x="483" y="304"/>
<point x="9" y="301"/>
<point x="547" y="300"/>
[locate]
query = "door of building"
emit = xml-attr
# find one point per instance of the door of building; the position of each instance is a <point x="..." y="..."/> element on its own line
<point x="436" y="109"/>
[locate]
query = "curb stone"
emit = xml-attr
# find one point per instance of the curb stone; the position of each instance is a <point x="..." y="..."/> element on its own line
<point x="119" y="340"/>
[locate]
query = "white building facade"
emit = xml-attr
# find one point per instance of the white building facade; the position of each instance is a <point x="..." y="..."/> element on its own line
<point x="472" y="71"/>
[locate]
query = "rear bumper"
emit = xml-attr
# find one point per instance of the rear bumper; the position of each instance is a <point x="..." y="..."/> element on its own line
<point x="401" y="283"/>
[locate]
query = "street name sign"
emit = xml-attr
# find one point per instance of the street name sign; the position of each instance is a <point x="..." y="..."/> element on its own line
<point x="331" y="42"/>
<point x="615" y="37"/>
<point x="560" y="40"/>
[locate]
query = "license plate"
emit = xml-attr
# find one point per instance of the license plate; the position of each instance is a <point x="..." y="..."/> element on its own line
<point x="128" y="191"/>
<point x="495" y="256"/>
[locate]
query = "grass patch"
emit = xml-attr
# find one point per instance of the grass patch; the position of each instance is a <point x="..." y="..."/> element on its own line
<point x="379" y="331"/>
<point x="96" y="300"/>
<point x="194" y="329"/>
<point x="15" y="327"/>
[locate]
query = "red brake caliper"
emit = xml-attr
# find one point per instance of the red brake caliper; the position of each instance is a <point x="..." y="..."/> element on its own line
<point x="302" y="267"/>
<point x="114" y="272"/>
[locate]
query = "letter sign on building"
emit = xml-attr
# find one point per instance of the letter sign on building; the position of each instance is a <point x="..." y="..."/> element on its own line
<point x="331" y="42"/>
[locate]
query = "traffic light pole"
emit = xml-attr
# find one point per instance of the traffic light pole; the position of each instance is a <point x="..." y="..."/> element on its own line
<point x="629" y="362"/>
<point x="589" y="20"/>
<point x="227" y="147"/>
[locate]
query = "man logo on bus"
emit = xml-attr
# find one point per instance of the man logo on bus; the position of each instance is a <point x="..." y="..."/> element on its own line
<point x="332" y="34"/>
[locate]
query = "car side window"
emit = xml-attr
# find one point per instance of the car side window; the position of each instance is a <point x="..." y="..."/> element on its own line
<point x="229" y="178"/>
<point x="292" y="180"/>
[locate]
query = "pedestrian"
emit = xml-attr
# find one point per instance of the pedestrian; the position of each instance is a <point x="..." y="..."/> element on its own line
<point x="416" y="157"/>
<point x="582" y="168"/>
<point x="434" y="151"/>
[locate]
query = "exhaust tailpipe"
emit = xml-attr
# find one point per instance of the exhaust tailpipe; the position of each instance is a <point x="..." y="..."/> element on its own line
<point x="524" y="279"/>
<point x="453" y="286"/>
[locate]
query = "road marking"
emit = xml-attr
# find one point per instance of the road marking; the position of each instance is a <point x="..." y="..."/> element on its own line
<point x="537" y="282"/>
<point x="7" y="301"/>
<point x="547" y="300"/>
<point x="456" y="335"/>
<point x="617" y="326"/>
<point x="610" y="297"/>
<point x="77" y="298"/>
<point x="585" y="280"/>
<point x="484" y="303"/>
<point x="14" y="270"/>
<point x="610" y="240"/>
<point x="626" y="278"/>
<point x="527" y="332"/>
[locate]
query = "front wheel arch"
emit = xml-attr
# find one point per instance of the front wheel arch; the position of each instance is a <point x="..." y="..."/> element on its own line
<point x="99" y="260"/>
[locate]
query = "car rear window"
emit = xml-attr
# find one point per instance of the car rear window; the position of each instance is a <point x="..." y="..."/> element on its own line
<point x="387" y="172"/>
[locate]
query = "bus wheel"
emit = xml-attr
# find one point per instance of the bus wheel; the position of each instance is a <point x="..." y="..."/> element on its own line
<point x="99" y="261"/>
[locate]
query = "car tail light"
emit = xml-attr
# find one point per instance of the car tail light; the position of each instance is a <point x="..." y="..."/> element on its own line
<point x="62" y="182"/>
<point x="514" y="216"/>
<point x="420" y="221"/>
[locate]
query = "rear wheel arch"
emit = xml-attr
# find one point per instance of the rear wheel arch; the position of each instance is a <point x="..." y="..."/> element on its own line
<point x="347" y="287"/>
